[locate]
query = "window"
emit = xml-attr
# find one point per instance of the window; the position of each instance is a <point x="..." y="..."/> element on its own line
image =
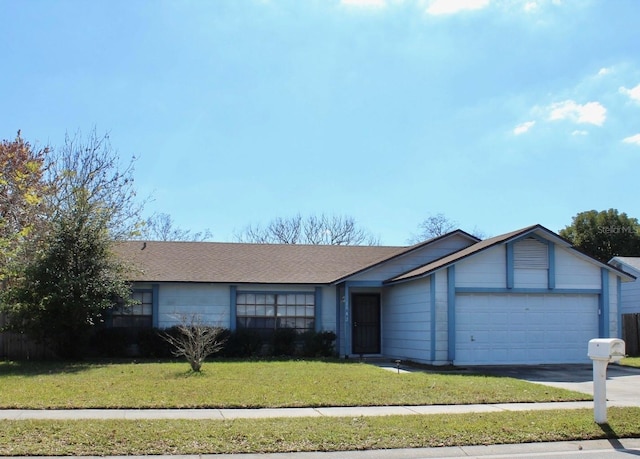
<point x="139" y="314"/>
<point x="266" y="312"/>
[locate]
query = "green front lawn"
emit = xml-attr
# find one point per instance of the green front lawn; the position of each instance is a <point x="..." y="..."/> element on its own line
<point x="631" y="362"/>
<point x="53" y="438"/>
<point x="235" y="384"/>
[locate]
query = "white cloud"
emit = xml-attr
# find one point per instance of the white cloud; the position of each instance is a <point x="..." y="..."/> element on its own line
<point x="633" y="93"/>
<point x="437" y="7"/>
<point x="589" y="113"/>
<point x="604" y="71"/>
<point x="634" y="139"/>
<point x="530" y="7"/>
<point x="579" y="132"/>
<point x="364" y="3"/>
<point x="523" y="127"/>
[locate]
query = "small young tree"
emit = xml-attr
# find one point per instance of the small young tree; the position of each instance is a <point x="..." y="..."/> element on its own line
<point x="195" y="341"/>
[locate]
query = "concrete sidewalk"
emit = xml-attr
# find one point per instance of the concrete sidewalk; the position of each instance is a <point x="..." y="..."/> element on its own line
<point x="355" y="411"/>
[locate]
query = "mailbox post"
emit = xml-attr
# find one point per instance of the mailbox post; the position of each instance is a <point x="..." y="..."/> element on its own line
<point x="602" y="351"/>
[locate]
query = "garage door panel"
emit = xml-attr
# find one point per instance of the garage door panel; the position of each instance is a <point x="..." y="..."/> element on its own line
<point x="525" y="329"/>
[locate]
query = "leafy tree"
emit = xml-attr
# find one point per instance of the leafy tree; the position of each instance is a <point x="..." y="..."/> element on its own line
<point x="160" y="227"/>
<point x="315" y="230"/>
<point x="69" y="286"/>
<point x="22" y="205"/>
<point x="604" y="234"/>
<point x="75" y="278"/>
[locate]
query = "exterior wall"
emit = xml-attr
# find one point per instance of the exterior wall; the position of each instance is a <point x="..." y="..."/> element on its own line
<point x="486" y="269"/>
<point x="530" y="278"/>
<point x="405" y="263"/>
<point x="575" y="272"/>
<point x="615" y="329"/>
<point x="630" y="293"/>
<point x="442" y="322"/>
<point x="406" y="321"/>
<point x="212" y="302"/>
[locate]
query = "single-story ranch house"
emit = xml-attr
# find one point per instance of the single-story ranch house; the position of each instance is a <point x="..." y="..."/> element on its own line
<point x="525" y="297"/>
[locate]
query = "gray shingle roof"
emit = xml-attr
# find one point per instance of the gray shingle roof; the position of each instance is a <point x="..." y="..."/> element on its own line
<point x="459" y="255"/>
<point x="633" y="262"/>
<point x="501" y="239"/>
<point x="248" y="263"/>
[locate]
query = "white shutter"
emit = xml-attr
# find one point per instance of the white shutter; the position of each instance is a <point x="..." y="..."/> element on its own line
<point x="530" y="253"/>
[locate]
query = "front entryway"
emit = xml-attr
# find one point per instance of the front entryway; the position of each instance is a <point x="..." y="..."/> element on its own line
<point x="365" y="323"/>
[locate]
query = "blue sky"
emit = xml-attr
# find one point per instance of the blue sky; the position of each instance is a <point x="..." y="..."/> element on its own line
<point x="499" y="114"/>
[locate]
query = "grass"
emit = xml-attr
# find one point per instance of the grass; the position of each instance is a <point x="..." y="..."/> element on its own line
<point x="228" y="384"/>
<point x="117" y="437"/>
<point x="631" y="362"/>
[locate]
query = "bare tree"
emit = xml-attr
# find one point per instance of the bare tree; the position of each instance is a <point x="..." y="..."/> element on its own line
<point x="315" y="229"/>
<point x="161" y="227"/>
<point x="439" y="225"/>
<point x="92" y="166"/>
<point x="195" y="341"/>
<point x="433" y="226"/>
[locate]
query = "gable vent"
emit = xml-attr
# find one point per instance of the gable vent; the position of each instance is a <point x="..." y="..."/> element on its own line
<point x="530" y="253"/>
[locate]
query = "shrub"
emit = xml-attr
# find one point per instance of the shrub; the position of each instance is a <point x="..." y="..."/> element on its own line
<point x="283" y="342"/>
<point x="195" y="341"/>
<point x="152" y="345"/>
<point x="242" y="343"/>
<point x="112" y="342"/>
<point x="318" y="344"/>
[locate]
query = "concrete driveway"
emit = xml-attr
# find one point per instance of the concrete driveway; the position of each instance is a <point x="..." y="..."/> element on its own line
<point x="623" y="383"/>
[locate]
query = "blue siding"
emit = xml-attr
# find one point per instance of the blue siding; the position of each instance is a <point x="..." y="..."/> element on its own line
<point x="527" y="290"/>
<point x="552" y="265"/>
<point x="451" y="312"/>
<point x="318" y="309"/>
<point x="232" y="304"/>
<point x="432" y="301"/>
<point x="603" y="322"/>
<point x="155" y="308"/>
<point x="510" y="269"/>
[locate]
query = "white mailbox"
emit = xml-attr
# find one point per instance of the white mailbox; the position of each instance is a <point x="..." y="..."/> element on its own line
<point x="601" y="352"/>
<point x="609" y="349"/>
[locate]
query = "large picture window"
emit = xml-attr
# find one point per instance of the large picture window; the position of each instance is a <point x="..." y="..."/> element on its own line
<point x="139" y="314"/>
<point x="266" y="312"/>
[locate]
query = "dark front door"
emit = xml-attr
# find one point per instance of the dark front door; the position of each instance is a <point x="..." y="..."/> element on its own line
<point x="365" y="323"/>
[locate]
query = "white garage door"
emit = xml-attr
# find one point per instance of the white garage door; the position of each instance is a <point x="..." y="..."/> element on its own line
<point x="524" y="329"/>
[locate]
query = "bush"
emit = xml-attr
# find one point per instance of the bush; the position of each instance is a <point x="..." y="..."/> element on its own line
<point x="318" y="344"/>
<point x="112" y="342"/>
<point x="283" y="342"/>
<point x="242" y="343"/>
<point x="195" y="341"/>
<point x="152" y="345"/>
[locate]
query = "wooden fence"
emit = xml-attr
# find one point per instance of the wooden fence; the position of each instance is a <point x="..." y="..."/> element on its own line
<point x="17" y="346"/>
<point x="631" y="333"/>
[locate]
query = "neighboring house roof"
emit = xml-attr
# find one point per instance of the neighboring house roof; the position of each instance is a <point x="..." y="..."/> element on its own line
<point x="223" y="262"/>
<point x="626" y="262"/>
<point x="491" y="242"/>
